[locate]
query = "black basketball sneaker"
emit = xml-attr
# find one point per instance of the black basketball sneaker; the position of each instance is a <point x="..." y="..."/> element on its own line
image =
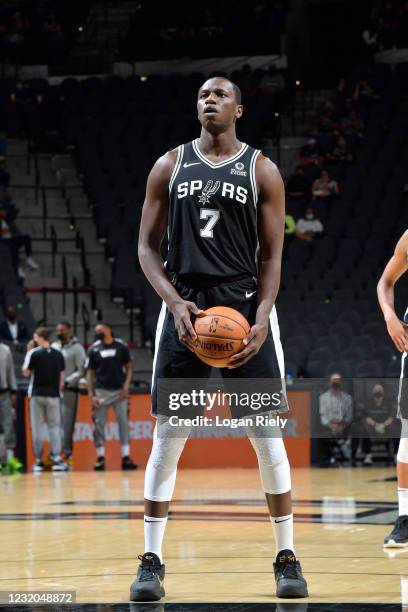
<point x="288" y="575"/>
<point x="398" y="537"/>
<point x="148" y="584"/>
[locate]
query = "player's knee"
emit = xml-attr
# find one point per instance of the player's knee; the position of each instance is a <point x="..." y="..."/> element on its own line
<point x="270" y="451"/>
<point x="402" y="455"/>
<point x="166" y="453"/>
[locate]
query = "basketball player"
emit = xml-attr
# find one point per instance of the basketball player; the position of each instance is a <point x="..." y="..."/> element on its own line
<point x="398" y="332"/>
<point x="218" y="199"/>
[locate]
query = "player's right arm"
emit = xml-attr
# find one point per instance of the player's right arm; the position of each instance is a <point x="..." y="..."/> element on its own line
<point x="395" y="268"/>
<point x="152" y="228"/>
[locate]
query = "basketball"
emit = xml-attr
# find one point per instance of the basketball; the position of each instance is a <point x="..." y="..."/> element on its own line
<point x="219" y="335"/>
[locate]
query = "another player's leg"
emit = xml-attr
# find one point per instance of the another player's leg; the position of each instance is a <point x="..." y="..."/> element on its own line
<point x="99" y="418"/>
<point x="399" y="535"/>
<point x="122" y="416"/>
<point x="276" y="482"/>
<point x="160" y="479"/>
<point x="37" y="420"/>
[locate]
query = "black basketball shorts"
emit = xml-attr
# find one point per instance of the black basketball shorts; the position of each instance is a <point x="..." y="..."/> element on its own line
<point x="403" y="389"/>
<point x="174" y="360"/>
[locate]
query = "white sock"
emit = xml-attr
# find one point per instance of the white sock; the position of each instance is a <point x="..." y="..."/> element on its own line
<point x="154" y="533"/>
<point x="125" y="450"/>
<point x="283" y="530"/>
<point x="100" y="451"/>
<point x="404" y="591"/>
<point x="402" y="501"/>
<point x="10" y="454"/>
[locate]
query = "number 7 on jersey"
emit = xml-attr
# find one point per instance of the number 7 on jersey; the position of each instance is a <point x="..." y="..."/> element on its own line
<point x="212" y="216"/>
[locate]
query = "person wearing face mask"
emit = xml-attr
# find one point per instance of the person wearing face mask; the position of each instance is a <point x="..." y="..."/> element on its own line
<point x="336" y="415"/>
<point x="12" y="330"/>
<point x="74" y="355"/>
<point x="109" y="373"/>
<point x="379" y="421"/>
<point x="309" y="227"/>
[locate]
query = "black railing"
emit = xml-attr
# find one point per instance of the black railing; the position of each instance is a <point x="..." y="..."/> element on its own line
<point x="44" y="211"/>
<point x="64" y="284"/>
<point x="85" y="320"/>
<point x="54" y="249"/>
<point x="76" y="302"/>
<point x="85" y="270"/>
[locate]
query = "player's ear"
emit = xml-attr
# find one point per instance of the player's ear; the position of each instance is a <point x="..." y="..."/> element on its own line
<point x="239" y="111"/>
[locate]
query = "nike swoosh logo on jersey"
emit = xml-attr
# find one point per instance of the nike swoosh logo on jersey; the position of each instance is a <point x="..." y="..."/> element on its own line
<point x="186" y="165"/>
<point x="249" y="294"/>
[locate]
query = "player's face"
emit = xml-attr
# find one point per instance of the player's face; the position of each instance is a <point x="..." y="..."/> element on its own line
<point x="217" y="106"/>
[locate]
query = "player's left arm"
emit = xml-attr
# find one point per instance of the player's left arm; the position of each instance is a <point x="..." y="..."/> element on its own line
<point x="271" y="229"/>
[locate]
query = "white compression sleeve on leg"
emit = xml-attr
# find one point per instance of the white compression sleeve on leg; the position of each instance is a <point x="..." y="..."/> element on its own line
<point x="402" y="455"/>
<point x="272" y="459"/>
<point x="161" y="469"/>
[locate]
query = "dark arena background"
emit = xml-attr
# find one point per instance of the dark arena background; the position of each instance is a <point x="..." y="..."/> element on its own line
<point x="92" y="93"/>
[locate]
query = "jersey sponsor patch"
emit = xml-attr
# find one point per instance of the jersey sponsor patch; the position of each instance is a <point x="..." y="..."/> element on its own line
<point x="239" y="169"/>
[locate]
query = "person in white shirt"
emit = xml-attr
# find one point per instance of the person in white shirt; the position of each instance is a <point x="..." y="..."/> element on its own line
<point x="308" y="227"/>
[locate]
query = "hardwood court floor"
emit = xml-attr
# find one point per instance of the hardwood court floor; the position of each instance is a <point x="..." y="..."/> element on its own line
<point x="82" y="531"/>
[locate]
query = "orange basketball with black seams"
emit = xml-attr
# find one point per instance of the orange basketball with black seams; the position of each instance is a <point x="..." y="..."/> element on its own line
<point x="219" y="335"/>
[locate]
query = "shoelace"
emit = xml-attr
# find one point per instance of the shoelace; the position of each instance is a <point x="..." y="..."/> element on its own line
<point x="289" y="569"/>
<point x="147" y="569"/>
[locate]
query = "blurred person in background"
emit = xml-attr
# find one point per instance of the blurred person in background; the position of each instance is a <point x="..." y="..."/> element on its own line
<point x="74" y="356"/>
<point x="8" y="399"/>
<point x="45" y="368"/>
<point x="336" y="415"/>
<point x="379" y="421"/>
<point x="325" y="188"/>
<point x="11" y="329"/>
<point x="11" y="236"/>
<point x="298" y="186"/>
<point x="109" y="374"/>
<point x="309" y="227"/>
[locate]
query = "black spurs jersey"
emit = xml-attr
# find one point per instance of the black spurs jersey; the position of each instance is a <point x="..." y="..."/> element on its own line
<point x="212" y="223"/>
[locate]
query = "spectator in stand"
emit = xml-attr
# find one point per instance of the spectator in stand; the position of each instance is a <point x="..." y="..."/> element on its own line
<point x="326" y="121"/>
<point x="11" y="236"/>
<point x="309" y="227"/>
<point x="298" y="187"/>
<point x="325" y="188"/>
<point x="341" y="153"/>
<point x="45" y="367"/>
<point x="379" y="421"/>
<point x="336" y="415"/>
<point x="311" y="153"/>
<point x="12" y="330"/>
<point x="8" y="399"/>
<point x="74" y="356"/>
<point x="109" y="373"/>
<point x="352" y="127"/>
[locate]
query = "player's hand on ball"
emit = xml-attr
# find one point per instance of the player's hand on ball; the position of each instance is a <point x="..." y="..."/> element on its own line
<point x="182" y="312"/>
<point x="253" y="342"/>
<point x="399" y="333"/>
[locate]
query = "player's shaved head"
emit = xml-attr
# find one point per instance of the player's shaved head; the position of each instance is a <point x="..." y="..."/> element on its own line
<point x="234" y="87"/>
